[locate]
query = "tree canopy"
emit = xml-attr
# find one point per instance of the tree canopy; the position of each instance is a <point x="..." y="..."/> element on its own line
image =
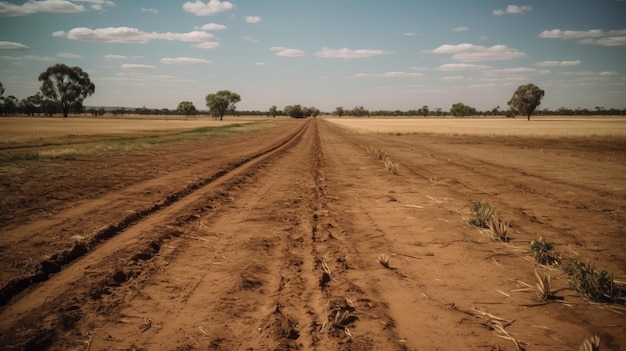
<point x="186" y="108"/>
<point x="460" y="109"/>
<point x="526" y="99"/>
<point x="66" y="86"/>
<point x="221" y="102"/>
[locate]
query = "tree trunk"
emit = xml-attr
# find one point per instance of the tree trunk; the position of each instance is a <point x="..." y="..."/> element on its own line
<point x="529" y="116"/>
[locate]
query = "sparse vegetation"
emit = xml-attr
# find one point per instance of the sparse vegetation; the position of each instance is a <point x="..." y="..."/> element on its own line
<point x="498" y="229"/>
<point x="543" y="252"/>
<point x="592" y="343"/>
<point x="481" y="214"/>
<point x="592" y="285"/>
<point x="384" y="261"/>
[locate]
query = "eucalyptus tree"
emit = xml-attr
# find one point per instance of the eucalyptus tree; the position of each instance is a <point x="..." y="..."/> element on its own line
<point x="186" y="108"/>
<point x="526" y="99"/>
<point x="66" y="87"/>
<point x="222" y="102"/>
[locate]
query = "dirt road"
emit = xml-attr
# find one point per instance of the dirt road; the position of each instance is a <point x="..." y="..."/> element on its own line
<point x="270" y="240"/>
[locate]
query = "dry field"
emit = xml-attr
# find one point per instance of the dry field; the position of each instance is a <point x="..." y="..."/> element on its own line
<point x="308" y="235"/>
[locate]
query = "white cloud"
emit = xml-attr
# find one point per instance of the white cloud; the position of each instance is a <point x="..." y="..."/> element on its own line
<point x="250" y="39"/>
<point x="517" y="71"/>
<point x="409" y="34"/>
<point x="461" y="67"/>
<point x="389" y="75"/>
<point x="207" y="45"/>
<point x="185" y="61"/>
<point x="286" y="52"/>
<point x="31" y="7"/>
<point x="474" y="53"/>
<point x="459" y="29"/>
<point x="27" y="57"/>
<point x="199" y="8"/>
<point x="212" y="26"/>
<point x="115" y="57"/>
<point x="452" y="78"/>
<point x="58" y="34"/>
<point x="512" y="9"/>
<point x="151" y="10"/>
<point x="558" y="63"/>
<point x="592" y="36"/>
<point x="69" y="55"/>
<point x="132" y="35"/>
<point x="346" y="53"/>
<point x="137" y="66"/>
<point x="253" y="19"/>
<point x="259" y="63"/>
<point x="11" y="45"/>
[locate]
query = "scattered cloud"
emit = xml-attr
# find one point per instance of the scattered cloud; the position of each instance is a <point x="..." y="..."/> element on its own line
<point x="150" y="10"/>
<point x="346" y="53"/>
<point x="111" y="57"/>
<point x="27" y="57"/>
<point x="558" y="63"/>
<point x="199" y="8"/>
<point x="11" y="45"/>
<point x="286" y="52"/>
<point x="461" y="67"/>
<point x="517" y="71"/>
<point x="250" y="39"/>
<point x="474" y="53"/>
<point x="253" y="19"/>
<point x="408" y="34"/>
<point x="452" y="78"/>
<point x="137" y="66"/>
<point x="512" y="9"/>
<point x="69" y="55"/>
<point x="130" y="35"/>
<point x="185" y="61"/>
<point x="207" y="45"/>
<point x="592" y="36"/>
<point x="389" y="75"/>
<point x="31" y="7"/>
<point x="212" y="26"/>
<point x="459" y="29"/>
<point x="259" y="63"/>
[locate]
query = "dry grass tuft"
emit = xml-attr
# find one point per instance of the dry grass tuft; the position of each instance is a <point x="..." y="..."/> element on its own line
<point x="542" y="251"/>
<point x="384" y="261"/>
<point x="481" y="214"/>
<point x="544" y="289"/>
<point x="393" y="167"/>
<point x="498" y="229"/>
<point x="592" y="343"/>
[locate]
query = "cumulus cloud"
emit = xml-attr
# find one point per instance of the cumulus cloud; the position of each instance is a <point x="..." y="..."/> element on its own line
<point x="207" y="45"/>
<point x="389" y="75"/>
<point x="346" y="53"/>
<point x="199" y="8"/>
<point x="212" y="26"/>
<point x="558" y="63"/>
<point x="185" y="61"/>
<point x="462" y="67"/>
<point x="512" y="9"/>
<point x="150" y="10"/>
<point x="592" y="36"/>
<point x="253" y="19"/>
<point x="115" y="57"/>
<point x="69" y="55"/>
<point x="31" y="7"/>
<point x="27" y="57"/>
<point x="286" y="52"/>
<point x="459" y="29"/>
<point x="131" y="35"/>
<point x="11" y="45"/>
<point x="250" y="39"/>
<point x="517" y="71"/>
<point x="452" y="78"/>
<point x="137" y="66"/>
<point x="474" y="53"/>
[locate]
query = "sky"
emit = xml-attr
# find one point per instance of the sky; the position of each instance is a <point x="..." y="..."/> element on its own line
<point x="382" y="55"/>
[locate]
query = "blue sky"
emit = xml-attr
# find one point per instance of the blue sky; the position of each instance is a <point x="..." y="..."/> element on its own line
<point x="392" y="54"/>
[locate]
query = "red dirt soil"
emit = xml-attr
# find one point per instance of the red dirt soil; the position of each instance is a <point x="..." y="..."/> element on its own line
<point x="270" y="241"/>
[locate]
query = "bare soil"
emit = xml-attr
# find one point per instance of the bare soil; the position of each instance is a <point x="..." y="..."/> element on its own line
<point x="270" y="241"/>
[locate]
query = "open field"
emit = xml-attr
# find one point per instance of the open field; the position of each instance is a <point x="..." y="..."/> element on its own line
<point x="286" y="234"/>
<point x="541" y="126"/>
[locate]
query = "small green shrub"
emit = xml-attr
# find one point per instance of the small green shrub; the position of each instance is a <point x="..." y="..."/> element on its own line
<point x="590" y="284"/>
<point x="542" y="251"/>
<point x="481" y="214"/>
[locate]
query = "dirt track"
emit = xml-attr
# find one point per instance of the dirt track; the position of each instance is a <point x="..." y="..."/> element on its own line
<point x="269" y="241"/>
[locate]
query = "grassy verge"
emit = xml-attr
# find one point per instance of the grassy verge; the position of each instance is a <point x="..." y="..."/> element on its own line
<point x="126" y="143"/>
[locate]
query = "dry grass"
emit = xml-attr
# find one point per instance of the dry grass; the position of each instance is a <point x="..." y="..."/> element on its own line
<point x="498" y="229"/>
<point x="481" y="214"/>
<point x="384" y="261"/>
<point x="592" y="343"/>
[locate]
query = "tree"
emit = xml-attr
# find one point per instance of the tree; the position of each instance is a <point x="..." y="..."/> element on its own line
<point x="423" y="111"/>
<point x="186" y="108"/>
<point x="459" y="110"/>
<point x="294" y="111"/>
<point x="273" y="111"/>
<point x="526" y="99"/>
<point x="66" y="86"/>
<point x="339" y="111"/>
<point x="221" y="102"/>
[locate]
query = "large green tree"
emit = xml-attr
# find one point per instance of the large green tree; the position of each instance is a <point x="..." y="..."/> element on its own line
<point x="66" y="87"/>
<point x="186" y="108"/>
<point x="273" y="111"/>
<point x="221" y="102"/>
<point x="460" y="110"/>
<point x="526" y="99"/>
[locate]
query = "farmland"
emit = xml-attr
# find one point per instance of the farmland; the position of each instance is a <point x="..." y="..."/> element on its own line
<point x="270" y="234"/>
